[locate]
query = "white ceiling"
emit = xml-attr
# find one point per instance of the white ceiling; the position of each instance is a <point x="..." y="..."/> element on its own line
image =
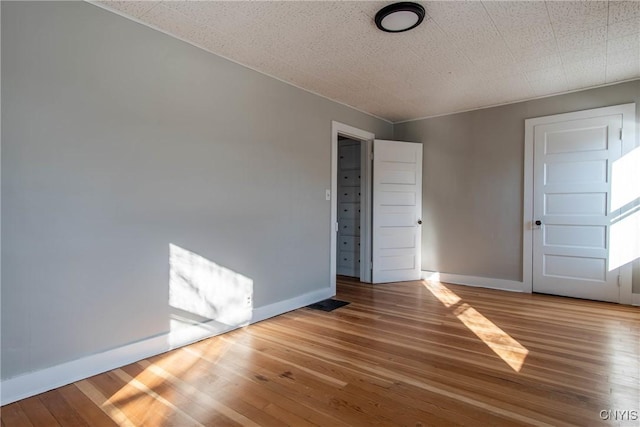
<point x="465" y="55"/>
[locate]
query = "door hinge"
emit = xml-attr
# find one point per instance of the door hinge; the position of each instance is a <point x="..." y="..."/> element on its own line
<point x="620" y="134"/>
<point x="336" y="227"/>
<point x="371" y="155"/>
<point x="619" y="279"/>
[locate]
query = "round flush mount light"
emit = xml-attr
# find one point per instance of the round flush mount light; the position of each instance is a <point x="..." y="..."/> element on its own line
<point x="399" y="17"/>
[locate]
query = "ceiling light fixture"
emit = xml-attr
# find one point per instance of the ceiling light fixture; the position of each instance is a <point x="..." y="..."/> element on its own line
<point x="399" y="17"/>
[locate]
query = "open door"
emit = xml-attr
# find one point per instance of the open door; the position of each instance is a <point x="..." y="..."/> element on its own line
<point x="397" y="211"/>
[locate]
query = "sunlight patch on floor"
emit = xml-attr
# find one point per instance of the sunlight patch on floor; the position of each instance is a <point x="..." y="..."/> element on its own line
<point x="168" y="407"/>
<point x="501" y="343"/>
<point x="445" y="295"/>
<point x="104" y="404"/>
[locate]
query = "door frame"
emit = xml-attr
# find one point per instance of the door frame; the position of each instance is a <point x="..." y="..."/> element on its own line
<point x="366" y="138"/>
<point x="629" y="142"/>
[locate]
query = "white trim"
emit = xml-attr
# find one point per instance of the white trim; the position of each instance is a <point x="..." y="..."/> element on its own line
<point x="366" y="168"/>
<point x="277" y="308"/>
<point x="627" y="110"/>
<point x="0" y="178"/>
<point x="629" y="139"/>
<point x="360" y="135"/>
<point x="33" y="383"/>
<point x="485" y="107"/>
<point x="527" y="221"/>
<point x="635" y="299"/>
<point x="626" y="284"/>
<point x="482" y="282"/>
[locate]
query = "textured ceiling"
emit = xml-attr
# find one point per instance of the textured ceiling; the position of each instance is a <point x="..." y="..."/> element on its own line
<point x="465" y="55"/>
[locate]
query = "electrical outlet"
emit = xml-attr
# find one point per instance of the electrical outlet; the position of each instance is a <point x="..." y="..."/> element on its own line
<point x="248" y="301"/>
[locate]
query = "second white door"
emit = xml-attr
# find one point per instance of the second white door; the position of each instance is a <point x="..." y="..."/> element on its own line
<point x="572" y="207"/>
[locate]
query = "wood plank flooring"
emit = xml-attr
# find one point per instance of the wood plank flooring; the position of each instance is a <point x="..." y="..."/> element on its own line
<point x="414" y="354"/>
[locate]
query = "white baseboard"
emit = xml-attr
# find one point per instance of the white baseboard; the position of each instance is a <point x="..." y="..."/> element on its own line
<point x="482" y="282"/>
<point x="23" y="386"/>
<point x="277" y="308"/>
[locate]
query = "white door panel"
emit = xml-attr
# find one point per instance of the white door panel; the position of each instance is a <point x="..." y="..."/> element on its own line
<point x="573" y="204"/>
<point x="575" y="236"/>
<point x="592" y="135"/>
<point x="387" y="218"/>
<point x="393" y="152"/>
<point x="397" y="239"/>
<point x="397" y="209"/>
<point x="397" y="262"/>
<point x="402" y="173"/>
<point x="397" y="198"/>
<point x="574" y="267"/>
<point x="577" y="172"/>
<point x="572" y="187"/>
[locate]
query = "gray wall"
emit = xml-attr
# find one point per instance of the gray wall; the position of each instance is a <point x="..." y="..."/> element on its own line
<point x="118" y="141"/>
<point x="473" y="180"/>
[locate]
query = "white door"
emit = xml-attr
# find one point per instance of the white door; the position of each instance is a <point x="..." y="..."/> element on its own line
<point x="397" y="210"/>
<point x="571" y="208"/>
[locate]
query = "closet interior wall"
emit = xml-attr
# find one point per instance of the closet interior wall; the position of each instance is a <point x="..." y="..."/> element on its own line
<point x="349" y="195"/>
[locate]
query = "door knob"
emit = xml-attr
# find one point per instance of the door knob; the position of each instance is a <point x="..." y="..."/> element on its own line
<point x="420" y="221"/>
<point x="538" y="222"/>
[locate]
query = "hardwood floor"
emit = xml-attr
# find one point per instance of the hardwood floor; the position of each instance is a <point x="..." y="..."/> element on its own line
<point x="414" y="353"/>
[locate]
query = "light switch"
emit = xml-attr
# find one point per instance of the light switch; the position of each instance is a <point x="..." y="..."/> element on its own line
<point x="327" y="195"/>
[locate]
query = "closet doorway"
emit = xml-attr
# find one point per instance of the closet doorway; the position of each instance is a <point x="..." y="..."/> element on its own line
<point x="376" y="207"/>
<point x="352" y="206"/>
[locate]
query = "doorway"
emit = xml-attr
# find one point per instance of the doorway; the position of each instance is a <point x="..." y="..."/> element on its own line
<point x="350" y="203"/>
<point x="573" y="203"/>
<point x="376" y="231"/>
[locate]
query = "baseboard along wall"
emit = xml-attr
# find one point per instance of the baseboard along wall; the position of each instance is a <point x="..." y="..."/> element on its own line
<point x="32" y="383"/>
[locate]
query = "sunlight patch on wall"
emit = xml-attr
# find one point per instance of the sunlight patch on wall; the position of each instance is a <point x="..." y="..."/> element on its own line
<point x="501" y="343"/>
<point x="205" y="298"/>
<point x="624" y="239"/>
<point x="625" y="180"/>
